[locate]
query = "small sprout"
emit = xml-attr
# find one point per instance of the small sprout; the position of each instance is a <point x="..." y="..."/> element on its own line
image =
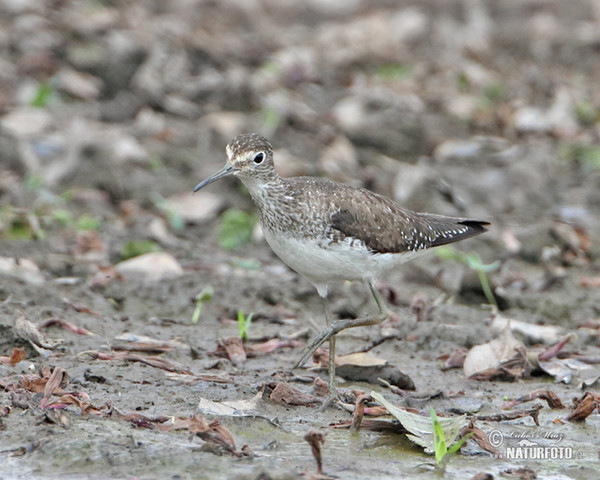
<point x="473" y="261"/>
<point x="587" y="156"/>
<point x="20" y="224"/>
<point x="271" y="118"/>
<point x="244" y="325"/>
<point x="442" y="452"/>
<point x="270" y="67"/>
<point x="203" y="296"/>
<point x="236" y="228"/>
<point x="586" y="114"/>
<point x="63" y="217"/>
<point x="434" y="434"/>
<point x="156" y="162"/>
<point x="134" y="248"/>
<point x="463" y="84"/>
<point x="394" y="71"/>
<point x="494" y="94"/>
<point x="33" y="182"/>
<point x="87" y="222"/>
<point x="43" y="95"/>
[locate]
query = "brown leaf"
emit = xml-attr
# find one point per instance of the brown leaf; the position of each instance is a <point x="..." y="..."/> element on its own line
<point x="522" y="473"/>
<point x="29" y="331"/>
<point x="158" y="362"/>
<point x="512" y="369"/>
<point x="234" y="348"/>
<point x="88" y="241"/>
<point x="359" y="410"/>
<point x="80" y="307"/>
<point x="18" y="354"/>
<point x="533" y="412"/>
<point x="590" y="282"/>
<point x="548" y="395"/>
<point x="272" y="345"/>
<point x="198" y="425"/>
<point x="151" y="360"/>
<point x="585" y="406"/>
<point x="139" y="420"/>
<point x="320" y="387"/>
<point x="283" y="393"/>
<point x="61" y="322"/>
<point x="480" y="437"/>
<point x="554" y="349"/>
<point x="456" y="359"/>
<point x="80" y="399"/>
<point x="482" y="476"/>
<point x="224" y="435"/>
<point x="57" y="381"/>
<point x="315" y="439"/>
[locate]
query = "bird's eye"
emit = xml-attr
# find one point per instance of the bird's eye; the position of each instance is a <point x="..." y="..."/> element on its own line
<point x="258" y="159"/>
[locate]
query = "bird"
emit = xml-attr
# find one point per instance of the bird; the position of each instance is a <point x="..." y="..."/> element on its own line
<point x="328" y="231"/>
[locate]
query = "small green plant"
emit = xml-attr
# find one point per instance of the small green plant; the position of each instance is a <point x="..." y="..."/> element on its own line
<point x="87" y="222"/>
<point x="587" y="114"/>
<point x="244" y="325"/>
<point x="442" y="452"/>
<point x="42" y="95"/>
<point x="134" y="248"/>
<point x="271" y="118"/>
<point x="203" y="296"/>
<point x="33" y="182"/>
<point x="156" y="162"/>
<point x="433" y="434"/>
<point x="394" y="71"/>
<point x="473" y="261"/>
<point x="20" y="224"/>
<point x="63" y="217"/>
<point x="236" y="228"/>
<point x="588" y="156"/>
<point x="494" y="93"/>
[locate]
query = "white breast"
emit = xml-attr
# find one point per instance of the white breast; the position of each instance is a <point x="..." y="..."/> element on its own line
<point x="322" y="262"/>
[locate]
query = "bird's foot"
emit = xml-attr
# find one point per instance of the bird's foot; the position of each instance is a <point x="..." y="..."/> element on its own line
<point x="334" y="328"/>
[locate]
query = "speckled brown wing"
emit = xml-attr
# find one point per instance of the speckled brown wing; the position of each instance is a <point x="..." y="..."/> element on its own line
<point x="383" y="226"/>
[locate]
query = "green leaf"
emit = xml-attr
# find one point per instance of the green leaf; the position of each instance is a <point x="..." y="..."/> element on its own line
<point x="42" y="95"/>
<point x="473" y="261"/>
<point x="134" y="248"/>
<point x="63" y="217"/>
<point x="244" y="325"/>
<point x="203" y="296"/>
<point x="439" y="440"/>
<point x="394" y="71"/>
<point x="87" y="222"/>
<point x="236" y="228"/>
<point x="454" y="448"/>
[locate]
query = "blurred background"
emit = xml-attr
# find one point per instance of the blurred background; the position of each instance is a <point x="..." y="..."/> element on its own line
<point x="110" y="113"/>
<point x="465" y="107"/>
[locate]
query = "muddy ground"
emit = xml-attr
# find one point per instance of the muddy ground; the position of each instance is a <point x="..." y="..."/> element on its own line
<point x="111" y="112"/>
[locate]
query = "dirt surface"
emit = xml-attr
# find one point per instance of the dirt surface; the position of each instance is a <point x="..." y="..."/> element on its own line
<point x="111" y="112"/>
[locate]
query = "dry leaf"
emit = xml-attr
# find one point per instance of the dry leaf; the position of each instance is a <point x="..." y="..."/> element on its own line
<point x="491" y="354"/>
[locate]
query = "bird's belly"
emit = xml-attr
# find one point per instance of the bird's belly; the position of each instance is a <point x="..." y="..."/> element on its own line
<point x="321" y="262"/>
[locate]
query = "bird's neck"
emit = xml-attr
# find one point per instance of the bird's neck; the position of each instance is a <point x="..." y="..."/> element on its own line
<point x="267" y="190"/>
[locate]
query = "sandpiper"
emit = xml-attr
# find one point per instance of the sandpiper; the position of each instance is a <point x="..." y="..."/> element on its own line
<point x="329" y="231"/>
